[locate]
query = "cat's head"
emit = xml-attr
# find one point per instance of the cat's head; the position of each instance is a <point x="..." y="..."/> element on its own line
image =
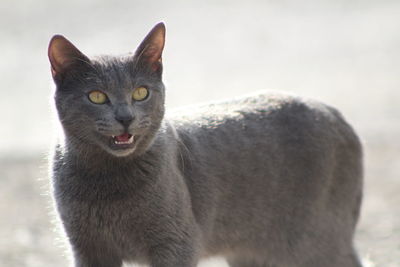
<point x="112" y="103"/>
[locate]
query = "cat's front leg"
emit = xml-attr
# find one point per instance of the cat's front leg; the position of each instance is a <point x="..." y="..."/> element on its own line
<point x="174" y="256"/>
<point x="95" y="256"/>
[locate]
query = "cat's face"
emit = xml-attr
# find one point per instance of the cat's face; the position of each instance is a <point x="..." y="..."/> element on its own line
<point x="115" y="103"/>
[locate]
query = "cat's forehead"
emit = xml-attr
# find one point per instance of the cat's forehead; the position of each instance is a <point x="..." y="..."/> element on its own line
<point x="117" y="74"/>
<point x="112" y="71"/>
<point x="112" y="65"/>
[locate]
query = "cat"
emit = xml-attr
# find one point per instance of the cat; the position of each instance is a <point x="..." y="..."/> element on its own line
<point x="264" y="180"/>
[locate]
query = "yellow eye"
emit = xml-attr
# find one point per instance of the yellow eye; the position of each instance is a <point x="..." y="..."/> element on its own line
<point x="98" y="97"/>
<point x="140" y="94"/>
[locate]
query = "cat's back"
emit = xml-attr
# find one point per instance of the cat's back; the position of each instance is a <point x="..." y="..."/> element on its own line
<point x="267" y="113"/>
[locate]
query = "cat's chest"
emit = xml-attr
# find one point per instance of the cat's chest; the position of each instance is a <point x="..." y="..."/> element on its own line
<point x="106" y="210"/>
<point x="116" y="222"/>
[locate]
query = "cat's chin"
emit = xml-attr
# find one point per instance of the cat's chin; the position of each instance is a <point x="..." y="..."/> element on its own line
<point x="121" y="153"/>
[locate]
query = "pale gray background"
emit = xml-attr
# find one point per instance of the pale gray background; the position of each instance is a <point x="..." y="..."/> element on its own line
<point x="343" y="52"/>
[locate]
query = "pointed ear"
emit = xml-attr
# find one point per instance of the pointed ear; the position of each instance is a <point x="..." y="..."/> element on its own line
<point x="149" y="52"/>
<point x="63" y="54"/>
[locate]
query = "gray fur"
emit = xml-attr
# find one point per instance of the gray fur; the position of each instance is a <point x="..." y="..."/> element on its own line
<point x="266" y="180"/>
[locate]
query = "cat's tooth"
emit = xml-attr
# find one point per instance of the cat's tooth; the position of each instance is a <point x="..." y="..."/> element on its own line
<point x="129" y="141"/>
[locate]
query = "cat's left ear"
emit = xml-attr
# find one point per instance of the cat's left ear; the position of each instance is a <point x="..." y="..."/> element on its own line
<point x="63" y="56"/>
<point x="149" y="52"/>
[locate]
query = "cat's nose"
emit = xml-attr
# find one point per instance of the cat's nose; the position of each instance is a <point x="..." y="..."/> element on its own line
<point x="124" y="115"/>
<point x="125" y="120"/>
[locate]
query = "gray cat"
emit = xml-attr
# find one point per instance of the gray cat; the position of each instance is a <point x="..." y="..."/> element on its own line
<point x="268" y="180"/>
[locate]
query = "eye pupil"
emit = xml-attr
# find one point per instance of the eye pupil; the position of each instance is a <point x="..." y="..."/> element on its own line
<point x="97" y="97"/>
<point x="140" y="94"/>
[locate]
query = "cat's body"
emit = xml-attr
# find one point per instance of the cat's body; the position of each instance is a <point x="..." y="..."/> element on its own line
<point x="268" y="180"/>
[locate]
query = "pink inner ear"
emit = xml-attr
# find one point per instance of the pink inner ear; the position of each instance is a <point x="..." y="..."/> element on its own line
<point x="152" y="55"/>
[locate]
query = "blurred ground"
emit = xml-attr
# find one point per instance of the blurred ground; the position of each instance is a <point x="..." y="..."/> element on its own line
<point x="343" y="52"/>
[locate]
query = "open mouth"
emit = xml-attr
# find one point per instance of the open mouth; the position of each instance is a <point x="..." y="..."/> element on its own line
<point x="123" y="141"/>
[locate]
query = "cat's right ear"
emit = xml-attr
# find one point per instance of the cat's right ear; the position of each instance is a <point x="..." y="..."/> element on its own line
<point x="63" y="55"/>
<point x="149" y="52"/>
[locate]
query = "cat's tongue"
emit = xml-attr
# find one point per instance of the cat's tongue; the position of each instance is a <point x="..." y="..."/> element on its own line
<point x="123" y="139"/>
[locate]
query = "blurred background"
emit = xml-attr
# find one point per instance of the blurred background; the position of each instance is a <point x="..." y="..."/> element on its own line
<point x="343" y="52"/>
